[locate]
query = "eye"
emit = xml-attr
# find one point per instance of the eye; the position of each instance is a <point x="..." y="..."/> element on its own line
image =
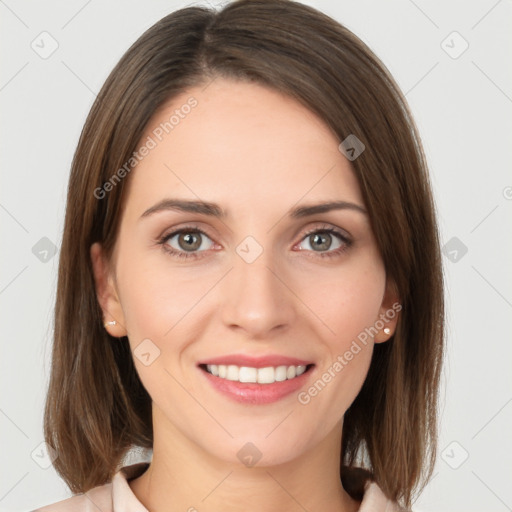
<point x="325" y="241"/>
<point x="187" y="242"/>
<point x="190" y="242"/>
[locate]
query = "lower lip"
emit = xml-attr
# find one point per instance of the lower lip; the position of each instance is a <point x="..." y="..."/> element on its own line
<point x="253" y="393"/>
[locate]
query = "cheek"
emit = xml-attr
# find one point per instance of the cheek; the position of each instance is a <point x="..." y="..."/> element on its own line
<point x="349" y="308"/>
<point x="155" y="296"/>
<point x="347" y="300"/>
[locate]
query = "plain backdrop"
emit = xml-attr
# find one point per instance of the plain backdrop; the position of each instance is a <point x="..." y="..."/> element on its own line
<point x="451" y="58"/>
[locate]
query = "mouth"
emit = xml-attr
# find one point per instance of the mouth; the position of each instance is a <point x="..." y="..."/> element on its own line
<point x="261" y="383"/>
<point x="248" y="374"/>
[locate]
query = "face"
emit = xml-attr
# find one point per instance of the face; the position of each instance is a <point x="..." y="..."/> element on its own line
<point x="226" y="269"/>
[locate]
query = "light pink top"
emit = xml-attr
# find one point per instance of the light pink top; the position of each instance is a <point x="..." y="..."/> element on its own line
<point x="117" y="496"/>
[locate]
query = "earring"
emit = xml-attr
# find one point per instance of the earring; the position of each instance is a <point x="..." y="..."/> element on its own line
<point x="111" y="323"/>
<point x="387" y="330"/>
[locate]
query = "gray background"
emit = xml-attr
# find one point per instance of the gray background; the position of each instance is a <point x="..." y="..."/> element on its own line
<point x="461" y="100"/>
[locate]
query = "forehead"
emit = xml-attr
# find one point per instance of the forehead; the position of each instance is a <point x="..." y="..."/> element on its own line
<point x="241" y="144"/>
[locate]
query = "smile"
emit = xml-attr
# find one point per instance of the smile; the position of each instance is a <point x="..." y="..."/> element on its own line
<point x="267" y="375"/>
<point x="253" y="385"/>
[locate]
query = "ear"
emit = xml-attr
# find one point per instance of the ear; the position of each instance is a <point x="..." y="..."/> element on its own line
<point x="388" y="313"/>
<point x="106" y="293"/>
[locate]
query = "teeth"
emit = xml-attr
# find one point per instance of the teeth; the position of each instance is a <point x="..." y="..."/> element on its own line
<point x="281" y="373"/>
<point x="246" y="374"/>
<point x="232" y="373"/>
<point x="267" y="375"/>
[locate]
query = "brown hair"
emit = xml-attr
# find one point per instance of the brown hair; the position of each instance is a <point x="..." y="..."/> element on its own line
<point x="96" y="406"/>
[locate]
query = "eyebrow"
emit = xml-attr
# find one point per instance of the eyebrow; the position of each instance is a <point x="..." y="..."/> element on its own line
<point x="214" y="210"/>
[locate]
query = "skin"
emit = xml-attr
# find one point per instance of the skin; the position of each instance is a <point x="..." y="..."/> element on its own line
<point x="257" y="154"/>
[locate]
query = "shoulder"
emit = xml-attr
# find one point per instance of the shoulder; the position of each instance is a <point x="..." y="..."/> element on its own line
<point x="115" y="496"/>
<point x="374" y="500"/>
<point x="361" y="486"/>
<point x="99" y="498"/>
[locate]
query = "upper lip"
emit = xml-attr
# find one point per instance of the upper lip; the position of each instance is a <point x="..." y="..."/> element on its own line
<point x="255" y="362"/>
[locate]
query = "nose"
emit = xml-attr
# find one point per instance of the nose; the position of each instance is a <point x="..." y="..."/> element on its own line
<point x="256" y="299"/>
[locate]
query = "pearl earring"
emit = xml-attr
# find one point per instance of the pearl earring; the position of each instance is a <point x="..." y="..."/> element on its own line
<point x="111" y="323"/>
<point x="387" y="330"/>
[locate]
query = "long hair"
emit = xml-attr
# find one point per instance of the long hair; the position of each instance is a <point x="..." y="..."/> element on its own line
<point x="96" y="406"/>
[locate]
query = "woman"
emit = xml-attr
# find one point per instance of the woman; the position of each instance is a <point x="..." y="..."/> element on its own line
<point x="250" y="282"/>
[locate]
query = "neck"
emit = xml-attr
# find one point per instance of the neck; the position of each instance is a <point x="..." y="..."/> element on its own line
<point x="184" y="477"/>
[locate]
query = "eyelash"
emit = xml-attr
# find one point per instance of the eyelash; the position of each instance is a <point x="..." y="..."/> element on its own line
<point x="194" y="229"/>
